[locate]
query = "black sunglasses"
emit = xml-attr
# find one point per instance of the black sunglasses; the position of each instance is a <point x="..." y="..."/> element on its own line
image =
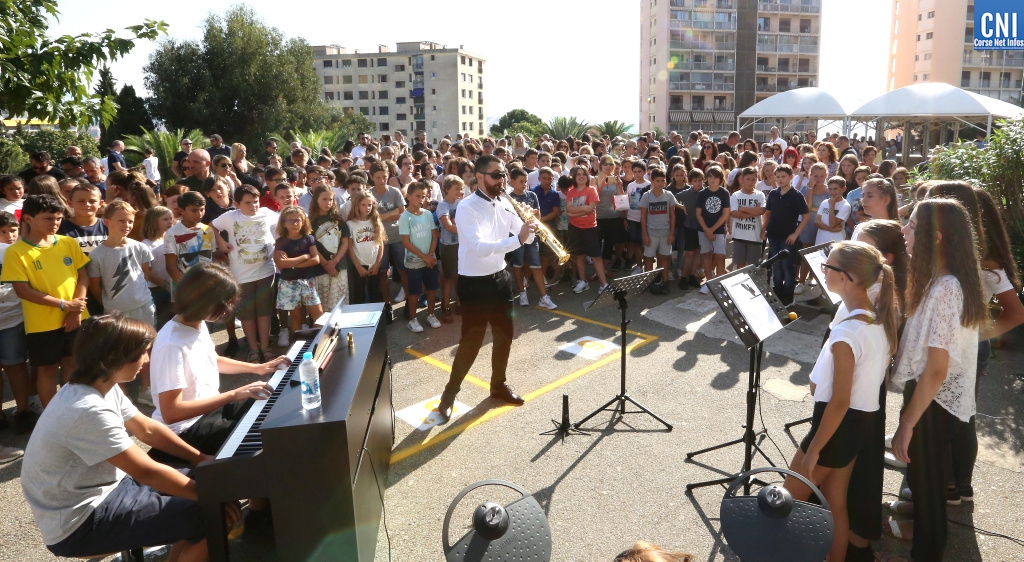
<point x="497" y="175"/>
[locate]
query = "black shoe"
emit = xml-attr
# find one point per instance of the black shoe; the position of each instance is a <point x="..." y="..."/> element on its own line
<point x="4" y="424"/>
<point x="684" y="284"/>
<point x="260" y="522"/>
<point x="444" y="408"/>
<point x="24" y="422"/>
<point x="230" y="349"/>
<point x="694" y="282"/>
<point x="506" y="394"/>
<point x="389" y="315"/>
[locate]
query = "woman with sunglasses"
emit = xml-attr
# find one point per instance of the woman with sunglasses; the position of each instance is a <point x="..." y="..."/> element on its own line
<point x="222" y="167"/>
<point x="708" y="154"/>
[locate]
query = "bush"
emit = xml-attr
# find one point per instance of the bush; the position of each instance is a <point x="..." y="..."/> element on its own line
<point x="55" y="142"/>
<point x="12" y="158"/>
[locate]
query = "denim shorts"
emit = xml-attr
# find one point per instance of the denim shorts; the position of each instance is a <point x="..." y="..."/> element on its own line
<point x="528" y="254"/>
<point x="13" y="345"/>
<point x="394" y="256"/>
<point x="422" y="278"/>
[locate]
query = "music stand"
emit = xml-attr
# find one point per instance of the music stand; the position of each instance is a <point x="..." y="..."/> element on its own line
<point x="761" y="298"/>
<point x="619" y="289"/>
<point x="814" y="257"/>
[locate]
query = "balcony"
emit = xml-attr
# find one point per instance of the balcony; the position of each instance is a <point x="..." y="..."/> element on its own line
<point x="725" y="25"/>
<point x="804" y="7"/>
<point x="725" y="66"/>
<point x="725" y="46"/>
<point x="760" y="87"/>
<point x="725" y="5"/>
<point x="701" y="65"/>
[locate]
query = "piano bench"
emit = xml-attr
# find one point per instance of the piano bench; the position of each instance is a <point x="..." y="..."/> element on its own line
<point x="133" y="555"/>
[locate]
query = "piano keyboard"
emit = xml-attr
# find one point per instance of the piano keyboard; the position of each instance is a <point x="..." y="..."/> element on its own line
<point x="245" y="439"/>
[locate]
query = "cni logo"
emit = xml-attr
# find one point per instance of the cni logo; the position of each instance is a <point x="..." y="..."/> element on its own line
<point x="995" y="25"/>
<point x="67" y="260"/>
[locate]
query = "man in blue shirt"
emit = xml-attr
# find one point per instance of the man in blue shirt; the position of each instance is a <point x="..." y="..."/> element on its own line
<point x="115" y="161"/>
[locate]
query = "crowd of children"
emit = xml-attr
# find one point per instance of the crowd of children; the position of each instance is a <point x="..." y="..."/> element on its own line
<point x="294" y="242"/>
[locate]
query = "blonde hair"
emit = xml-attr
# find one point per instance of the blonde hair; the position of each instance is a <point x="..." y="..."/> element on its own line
<point x="374" y="218"/>
<point x="117" y="205"/>
<point x="865" y="265"/>
<point x="282" y="230"/>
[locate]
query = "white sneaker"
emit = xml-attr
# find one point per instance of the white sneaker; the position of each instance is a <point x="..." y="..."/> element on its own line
<point x="602" y="288"/>
<point x="414" y="326"/>
<point x="523" y="299"/>
<point x="888" y="441"/>
<point x="282" y="338"/>
<point x="238" y="324"/>
<point x="9" y="454"/>
<point x="891" y="460"/>
<point x="590" y="260"/>
<point x="35" y="404"/>
<point x="581" y="286"/>
<point x="400" y="296"/>
<point x="799" y="289"/>
<point x="704" y="290"/>
<point x="545" y="302"/>
<point x="432" y="320"/>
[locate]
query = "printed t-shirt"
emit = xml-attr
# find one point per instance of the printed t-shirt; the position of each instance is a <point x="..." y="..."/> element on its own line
<point x="88" y="237"/>
<point x="658" y="209"/>
<point x="121" y="277"/>
<point x="749" y="228"/>
<point x="712" y="204"/>
<point x="251" y="239"/>
<point x="586" y="196"/>
<point x="419" y="228"/>
<point x="364" y="242"/>
<point x="52" y="270"/>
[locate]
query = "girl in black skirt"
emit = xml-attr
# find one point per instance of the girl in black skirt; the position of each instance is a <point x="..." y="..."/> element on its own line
<point x="846" y="378"/>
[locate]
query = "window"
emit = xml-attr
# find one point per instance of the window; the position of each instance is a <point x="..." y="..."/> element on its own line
<point x="986" y="79"/>
<point x="697" y="103"/>
<point x="382" y="62"/>
<point x="364" y="95"/>
<point x="346" y="95"/>
<point x="382" y="110"/>
<point x="364" y="110"/>
<point x="328" y="79"/>
<point x="463" y="95"/>
<point x="361" y="63"/>
<point x="470" y="61"/>
<point x="399" y="117"/>
<point x="805" y="26"/>
<point x="327" y="63"/>
<point x="764" y="24"/>
<point x="400" y="100"/>
<point x="917" y="58"/>
<point x="784" y="25"/>
<point x="382" y="95"/>
<point x="400" y="83"/>
<point x="364" y="78"/>
<point x="433" y="91"/>
<point x="915" y="78"/>
<point x="918" y="36"/>
<point x="965" y="79"/>
<point x="346" y="79"/>
<point x="382" y="78"/>
<point x="928" y="35"/>
<point x="925" y="77"/>
<point x="463" y="59"/>
<point x="1004" y="79"/>
<point x="918" y="17"/>
<point x="804" y="65"/>
<point x="399" y="68"/>
<point x="931" y="14"/>
<point x="431" y="57"/>
<point x="329" y="96"/>
<point x="347" y="63"/>
<point x="462" y="78"/>
<point x="463" y="110"/>
<point x="927" y="56"/>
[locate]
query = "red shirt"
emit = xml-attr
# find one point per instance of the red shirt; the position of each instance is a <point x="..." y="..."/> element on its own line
<point x="586" y="196"/>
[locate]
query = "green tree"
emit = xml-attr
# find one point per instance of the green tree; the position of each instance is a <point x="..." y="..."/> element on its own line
<point x="165" y="145"/>
<point x="12" y="158"/>
<point x="242" y="80"/>
<point x="611" y="128"/>
<point x="132" y="117"/>
<point x="48" y="78"/>
<point x="106" y="88"/>
<point x="565" y="127"/>
<point x="513" y="117"/>
<point x="55" y="142"/>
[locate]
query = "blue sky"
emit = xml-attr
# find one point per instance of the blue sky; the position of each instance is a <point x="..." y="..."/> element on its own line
<point x="550" y="58"/>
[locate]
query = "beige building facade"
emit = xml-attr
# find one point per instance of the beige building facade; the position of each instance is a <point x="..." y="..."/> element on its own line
<point x="703" y="62"/>
<point x="933" y="41"/>
<point x="421" y="86"/>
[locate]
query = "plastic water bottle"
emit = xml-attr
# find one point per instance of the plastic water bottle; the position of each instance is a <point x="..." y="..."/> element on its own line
<point x="309" y="375"/>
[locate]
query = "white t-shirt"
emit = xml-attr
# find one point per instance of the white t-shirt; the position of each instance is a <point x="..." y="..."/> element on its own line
<point x="763" y="187"/>
<point x="104" y="166"/>
<point x="798" y="183"/>
<point x="152" y="165"/>
<point x="871" y="359"/>
<point x="252" y="243"/>
<point x="748" y="229"/>
<point x="994" y="282"/>
<point x="824" y="211"/>
<point x="936" y="323"/>
<point x="779" y="142"/>
<point x="364" y="242"/>
<point x="65" y="474"/>
<point x="183" y="358"/>
<point x="633" y="191"/>
<point x="10" y="206"/>
<point x="158" y="267"/>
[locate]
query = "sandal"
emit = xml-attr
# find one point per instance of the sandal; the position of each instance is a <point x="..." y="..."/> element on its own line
<point x="893" y="530"/>
<point x="900" y="507"/>
<point x="254" y="357"/>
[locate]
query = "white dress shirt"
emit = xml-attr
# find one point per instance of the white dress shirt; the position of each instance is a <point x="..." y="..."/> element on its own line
<point x="488" y="229"/>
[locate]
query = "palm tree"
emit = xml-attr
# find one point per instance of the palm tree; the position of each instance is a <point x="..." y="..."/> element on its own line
<point x="165" y="145"/>
<point x="565" y="127"/>
<point x="315" y="140"/>
<point x="611" y="128"/>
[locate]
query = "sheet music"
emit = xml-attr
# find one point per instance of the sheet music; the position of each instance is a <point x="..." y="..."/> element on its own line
<point x="752" y="305"/>
<point x="814" y="261"/>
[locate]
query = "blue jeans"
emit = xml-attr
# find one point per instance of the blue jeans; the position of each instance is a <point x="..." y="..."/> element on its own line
<point x="784" y="271"/>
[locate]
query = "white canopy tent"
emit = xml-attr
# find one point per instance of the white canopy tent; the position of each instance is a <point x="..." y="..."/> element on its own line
<point x="800" y="104"/>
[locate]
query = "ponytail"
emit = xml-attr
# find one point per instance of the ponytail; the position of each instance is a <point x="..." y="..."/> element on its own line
<point x="886" y="312"/>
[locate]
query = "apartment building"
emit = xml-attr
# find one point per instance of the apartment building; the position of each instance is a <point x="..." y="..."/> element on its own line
<point x="419" y="86"/>
<point x="703" y="62"/>
<point x="933" y="41"/>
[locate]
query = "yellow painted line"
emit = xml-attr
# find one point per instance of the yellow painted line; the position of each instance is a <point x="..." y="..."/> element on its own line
<point x="595" y="322"/>
<point x="491" y="414"/>
<point x="446" y="368"/>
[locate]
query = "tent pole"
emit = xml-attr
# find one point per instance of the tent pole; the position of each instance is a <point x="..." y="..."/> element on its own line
<point x="988" y="127"/>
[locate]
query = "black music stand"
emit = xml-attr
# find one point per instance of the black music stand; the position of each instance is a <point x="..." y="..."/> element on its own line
<point x="814" y="256"/>
<point x="755" y="344"/>
<point x="618" y="289"/>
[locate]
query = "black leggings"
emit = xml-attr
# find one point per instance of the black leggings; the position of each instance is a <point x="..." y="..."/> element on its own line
<point x="362" y="290"/>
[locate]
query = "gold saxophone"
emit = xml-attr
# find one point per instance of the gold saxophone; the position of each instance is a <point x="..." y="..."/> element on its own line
<point x="543" y="232"/>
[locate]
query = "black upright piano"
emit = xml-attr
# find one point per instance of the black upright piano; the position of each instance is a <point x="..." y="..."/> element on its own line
<point x="324" y="471"/>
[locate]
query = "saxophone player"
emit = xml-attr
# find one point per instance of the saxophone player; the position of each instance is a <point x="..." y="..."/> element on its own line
<point x="488" y="228"/>
<point x="527" y="255"/>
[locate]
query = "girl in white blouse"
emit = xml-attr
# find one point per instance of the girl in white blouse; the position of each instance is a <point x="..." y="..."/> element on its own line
<point x="936" y="363"/>
<point x="846" y="378"/>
